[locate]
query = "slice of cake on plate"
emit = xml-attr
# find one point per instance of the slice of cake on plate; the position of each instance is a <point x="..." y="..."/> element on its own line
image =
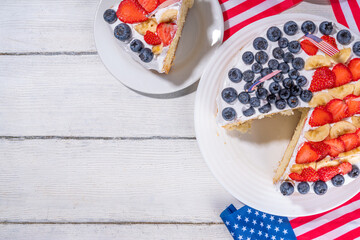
<point x="149" y="30"/>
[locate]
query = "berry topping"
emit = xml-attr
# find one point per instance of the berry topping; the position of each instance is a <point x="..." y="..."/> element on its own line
<point x="284" y="67"/>
<point x="229" y="94"/>
<point x="338" y="180"/>
<point x="151" y="38"/>
<point x="290" y="28"/>
<point x="284" y="93"/>
<point x="321" y="148"/>
<point x="235" y="75"/>
<point x="356" y="48"/>
<point x="278" y="77"/>
<point x="342" y="74"/>
<point x="229" y="114"/>
<point x="345" y="168"/>
<point x="273" y="64"/>
<point x="309" y="175"/>
<point x="353" y="105"/>
<point x="293" y="101"/>
<point x="149" y="5"/>
<point x="286" y="188"/>
<point x="296" y="177"/>
<point x="330" y="40"/>
<point x="355" y="172"/>
<point x="306" y="95"/>
<point x="260" y="43"/>
<point x="110" y="16"/>
<point x="248" y="57"/>
<point x="294" y="46"/>
<point x="130" y="11"/>
<point x="308" y="27"/>
<point x="256" y="67"/>
<point x="323" y="78"/>
<point x="293" y="74"/>
<point x="248" y="112"/>
<point x="274" y="34"/>
<point x="280" y="104"/>
<point x="261" y="57"/>
<point x="336" y="147"/>
<point x="354" y="66"/>
<point x="327" y="173"/>
<point x="298" y="63"/>
<point x="278" y="53"/>
<point x="265" y="71"/>
<point x="338" y="109"/>
<point x="295" y="90"/>
<point x="136" y="45"/>
<point x="350" y="140"/>
<point x="320" y="116"/>
<point x="288" y="57"/>
<point x="343" y="37"/>
<point x="271" y="98"/>
<point x="288" y="83"/>
<point x="274" y="87"/>
<point x="283" y="42"/>
<point x="306" y="154"/>
<point x="166" y="32"/>
<point x="244" y="97"/>
<point x="320" y="188"/>
<point x="301" y="81"/>
<point x="261" y="93"/>
<point x="146" y="55"/>
<point x="308" y="47"/>
<point x="248" y="76"/>
<point x="254" y="102"/>
<point x="326" y="27"/>
<point x="122" y="32"/>
<point x="265" y="109"/>
<point x="247" y="86"/>
<point x="303" y="188"/>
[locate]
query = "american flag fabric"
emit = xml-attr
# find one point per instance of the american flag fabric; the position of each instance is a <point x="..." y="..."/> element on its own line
<point x="322" y="45"/>
<point x="341" y="223"/>
<point x="347" y="12"/>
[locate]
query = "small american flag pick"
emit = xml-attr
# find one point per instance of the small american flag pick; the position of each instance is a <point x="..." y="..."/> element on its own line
<point x="322" y="45"/>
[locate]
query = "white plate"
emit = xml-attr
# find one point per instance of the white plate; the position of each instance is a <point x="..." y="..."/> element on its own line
<point x="202" y="34"/>
<point x="244" y="163"/>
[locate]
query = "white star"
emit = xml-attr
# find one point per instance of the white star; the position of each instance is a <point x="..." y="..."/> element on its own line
<point x="273" y="237"/>
<point x="227" y="223"/>
<point x="240" y="237"/>
<point x="280" y="220"/>
<point x="276" y="229"/>
<point x="264" y="215"/>
<point x="243" y="229"/>
<point x="268" y="226"/>
<point x="246" y="219"/>
<point x="232" y="234"/>
<point x="272" y="218"/>
<point x="249" y="210"/>
<point x="285" y="231"/>
<point x="238" y="217"/>
<point x="236" y="226"/>
<point x="248" y="238"/>
<point x="257" y="213"/>
<point x="252" y="231"/>
<point x="254" y="222"/>
<point x="260" y="233"/>
<point x="281" y="238"/>
<point x="266" y="235"/>
<point x="261" y="224"/>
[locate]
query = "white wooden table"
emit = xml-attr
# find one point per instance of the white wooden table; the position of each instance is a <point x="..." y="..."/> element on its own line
<point x="82" y="156"/>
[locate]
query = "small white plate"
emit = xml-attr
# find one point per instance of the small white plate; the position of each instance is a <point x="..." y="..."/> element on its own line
<point x="244" y="163"/>
<point x="202" y="34"/>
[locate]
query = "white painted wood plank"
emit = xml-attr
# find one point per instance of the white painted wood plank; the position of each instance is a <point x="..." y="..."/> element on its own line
<point x="107" y="181"/>
<point x="76" y="96"/>
<point x="113" y="232"/>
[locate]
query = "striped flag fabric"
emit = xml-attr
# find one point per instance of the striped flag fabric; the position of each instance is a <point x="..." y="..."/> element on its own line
<point x="322" y="45"/>
<point x="347" y="12"/>
<point x="341" y="223"/>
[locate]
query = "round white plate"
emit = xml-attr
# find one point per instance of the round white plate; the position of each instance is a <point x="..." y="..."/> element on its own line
<point x="202" y="34"/>
<point x="244" y="163"/>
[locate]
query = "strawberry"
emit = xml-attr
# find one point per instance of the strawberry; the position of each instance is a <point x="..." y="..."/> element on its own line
<point x="353" y="105"/>
<point x="306" y="154"/>
<point x="130" y="11"/>
<point x="148" y="5"/>
<point x="342" y="74"/>
<point x="330" y="40"/>
<point x="166" y="31"/>
<point x="296" y="177"/>
<point x="351" y="141"/>
<point x="321" y="148"/>
<point x="358" y="132"/>
<point x="345" y="168"/>
<point x="151" y="38"/>
<point x="327" y="173"/>
<point x="309" y="48"/>
<point x="323" y="78"/>
<point x="336" y="146"/>
<point x="161" y="1"/>
<point x="309" y="175"/>
<point x="354" y="66"/>
<point x="338" y="109"/>
<point x="320" y="116"/>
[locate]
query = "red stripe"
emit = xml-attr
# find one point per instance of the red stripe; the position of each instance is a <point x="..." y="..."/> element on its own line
<point x="338" y="12"/>
<point x="222" y="1"/>
<point x="238" y="9"/>
<point x="355" y="12"/>
<point x="350" y="235"/>
<point x="297" y="222"/>
<point x="331" y="225"/>
<point x="269" y="12"/>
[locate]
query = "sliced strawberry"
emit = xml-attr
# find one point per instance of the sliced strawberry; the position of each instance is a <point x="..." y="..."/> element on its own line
<point x="149" y="5"/>
<point x="351" y="141"/>
<point x="354" y="66"/>
<point x="151" y="38"/>
<point x="309" y="48"/>
<point x="309" y="175"/>
<point x="330" y="40"/>
<point x="353" y="105"/>
<point x="161" y="1"/>
<point x="338" y="109"/>
<point x="130" y="11"/>
<point x="327" y="173"/>
<point x="336" y="147"/>
<point x="345" y="168"/>
<point x="323" y="78"/>
<point x="296" y="177"/>
<point x="306" y="154"/>
<point x="358" y="132"/>
<point x="321" y="148"/>
<point x="342" y="74"/>
<point x="320" y="116"/>
<point x="166" y="31"/>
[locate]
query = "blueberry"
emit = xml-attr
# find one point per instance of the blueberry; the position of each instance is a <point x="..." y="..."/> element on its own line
<point x="265" y="71"/>
<point x="261" y="93"/>
<point x="306" y="95"/>
<point x="288" y="57"/>
<point x="136" y="45"/>
<point x="261" y="57"/>
<point x="290" y="28"/>
<point x="308" y="27"/>
<point x="244" y="97"/>
<point x="284" y="93"/>
<point x="235" y="75"/>
<point x="343" y="37"/>
<point x="248" y="75"/>
<point x="256" y="67"/>
<point x="273" y="64"/>
<point x="338" y="180"/>
<point x="122" y="32"/>
<point x="286" y="188"/>
<point x="283" y="42"/>
<point x="356" y="48"/>
<point x="301" y="81"/>
<point x="271" y="98"/>
<point x="248" y="57"/>
<point x="320" y="187"/>
<point x="298" y="63"/>
<point x="274" y="87"/>
<point x="303" y="188"/>
<point x="229" y="114"/>
<point x="295" y="90"/>
<point x="265" y="109"/>
<point x="146" y="55"/>
<point x="284" y="67"/>
<point x="248" y="112"/>
<point x="278" y="77"/>
<point x="326" y="27"/>
<point x="293" y="101"/>
<point x="288" y="83"/>
<point x="293" y="74"/>
<point x="278" y="53"/>
<point x="294" y="46"/>
<point x="260" y="43"/>
<point x="229" y="94"/>
<point x="355" y="172"/>
<point x="254" y="102"/>
<point x="273" y="34"/>
<point x="247" y="86"/>
<point x="110" y="16"/>
<point x="280" y="104"/>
